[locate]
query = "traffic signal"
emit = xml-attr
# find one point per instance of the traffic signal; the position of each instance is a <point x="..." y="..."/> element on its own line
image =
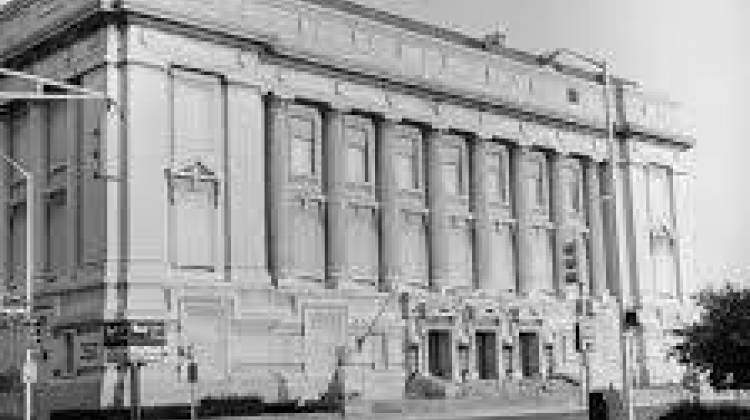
<point x="570" y="262"/>
<point x="579" y="347"/>
<point x="631" y="319"/>
<point x="192" y="372"/>
<point x="38" y="324"/>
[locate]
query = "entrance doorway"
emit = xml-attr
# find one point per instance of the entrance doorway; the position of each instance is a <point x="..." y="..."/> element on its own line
<point x="487" y="355"/>
<point x="439" y="354"/>
<point x="529" y="354"/>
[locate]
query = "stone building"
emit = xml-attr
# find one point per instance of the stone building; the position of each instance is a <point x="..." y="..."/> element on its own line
<point x="276" y="178"/>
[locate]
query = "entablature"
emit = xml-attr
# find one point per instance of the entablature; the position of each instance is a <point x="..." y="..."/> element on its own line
<point x="375" y="48"/>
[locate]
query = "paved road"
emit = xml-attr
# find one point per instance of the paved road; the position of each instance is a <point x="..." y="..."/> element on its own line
<point x="568" y="416"/>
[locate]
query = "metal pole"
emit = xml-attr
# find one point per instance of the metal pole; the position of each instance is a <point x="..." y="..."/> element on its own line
<point x="626" y="391"/>
<point x="29" y="275"/>
<point x="192" y="401"/>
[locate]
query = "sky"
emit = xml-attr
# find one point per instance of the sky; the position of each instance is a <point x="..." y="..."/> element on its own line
<point x="691" y="50"/>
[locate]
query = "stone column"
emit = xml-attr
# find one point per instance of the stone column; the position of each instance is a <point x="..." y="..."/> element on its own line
<point x="246" y="178"/>
<point x="37" y="132"/>
<point x="73" y="156"/>
<point x="390" y="229"/>
<point x="278" y="161"/>
<point x="594" y="202"/>
<point x="683" y="210"/>
<point x="482" y="227"/>
<point x="559" y="220"/>
<point x="524" y="251"/>
<point x="5" y="179"/>
<point x="438" y="235"/>
<point x="334" y="151"/>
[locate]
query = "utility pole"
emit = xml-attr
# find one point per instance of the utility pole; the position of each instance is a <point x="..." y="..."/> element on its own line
<point x="603" y="66"/>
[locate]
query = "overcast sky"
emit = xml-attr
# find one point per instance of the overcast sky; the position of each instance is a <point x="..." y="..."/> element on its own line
<point x="691" y="50"/>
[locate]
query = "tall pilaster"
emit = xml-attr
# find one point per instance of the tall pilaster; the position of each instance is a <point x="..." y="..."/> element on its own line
<point x="334" y="150"/>
<point x="436" y="197"/>
<point x="72" y="200"/>
<point x="598" y="267"/>
<point x="277" y="136"/>
<point x="482" y="225"/>
<point x="683" y="180"/>
<point x="558" y="218"/>
<point x="5" y="180"/>
<point x="523" y="215"/>
<point x="37" y="131"/>
<point x="390" y="229"/>
<point x="246" y="173"/>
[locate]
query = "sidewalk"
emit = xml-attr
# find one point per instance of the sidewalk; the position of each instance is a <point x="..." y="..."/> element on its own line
<point x="433" y="410"/>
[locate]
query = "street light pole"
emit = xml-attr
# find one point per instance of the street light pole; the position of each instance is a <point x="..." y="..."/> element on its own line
<point x="29" y="264"/>
<point x="624" y="333"/>
<point x="603" y="66"/>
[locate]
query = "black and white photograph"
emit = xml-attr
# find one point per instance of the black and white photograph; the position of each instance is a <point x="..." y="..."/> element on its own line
<point x="374" y="209"/>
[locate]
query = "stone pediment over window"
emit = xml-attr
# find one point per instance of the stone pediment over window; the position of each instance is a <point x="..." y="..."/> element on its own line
<point x="193" y="174"/>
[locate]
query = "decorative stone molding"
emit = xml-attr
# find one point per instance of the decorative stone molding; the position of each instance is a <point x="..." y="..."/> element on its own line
<point x="539" y="135"/>
<point x="500" y="126"/>
<point x="373" y="46"/>
<point x="642" y="152"/>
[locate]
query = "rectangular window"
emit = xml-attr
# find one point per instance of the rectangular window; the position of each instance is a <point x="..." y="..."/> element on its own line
<point x="661" y="196"/>
<point x="70" y="353"/>
<point x="573" y="96"/>
<point x="539" y="184"/>
<point x="303" y="146"/>
<point x="407" y="162"/>
<point x="574" y="190"/>
<point x="497" y="181"/>
<point x="358" y="156"/>
<point x="452" y="179"/>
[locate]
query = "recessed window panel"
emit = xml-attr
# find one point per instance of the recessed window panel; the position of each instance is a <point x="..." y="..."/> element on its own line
<point x="303" y="146"/>
<point x="451" y="169"/>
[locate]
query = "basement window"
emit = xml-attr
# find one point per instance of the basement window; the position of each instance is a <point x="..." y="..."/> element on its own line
<point x="573" y="96"/>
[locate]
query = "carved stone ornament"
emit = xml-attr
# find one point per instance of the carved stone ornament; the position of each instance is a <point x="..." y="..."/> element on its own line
<point x="192" y="173"/>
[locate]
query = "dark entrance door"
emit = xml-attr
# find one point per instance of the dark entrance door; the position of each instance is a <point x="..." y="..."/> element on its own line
<point x="529" y="354"/>
<point x="439" y="354"/>
<point x="487" y="355"/>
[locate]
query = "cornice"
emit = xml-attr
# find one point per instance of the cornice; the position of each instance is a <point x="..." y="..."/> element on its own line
<point x="343" y="37"/>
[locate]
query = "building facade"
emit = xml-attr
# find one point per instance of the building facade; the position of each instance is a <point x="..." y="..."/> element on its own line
<point x="278" y="178"/>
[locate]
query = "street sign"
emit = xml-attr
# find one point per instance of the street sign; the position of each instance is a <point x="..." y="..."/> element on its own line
<point x="147" y="353"/>
<point x="30" y="372"/>
<point x="123" y="333"/>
